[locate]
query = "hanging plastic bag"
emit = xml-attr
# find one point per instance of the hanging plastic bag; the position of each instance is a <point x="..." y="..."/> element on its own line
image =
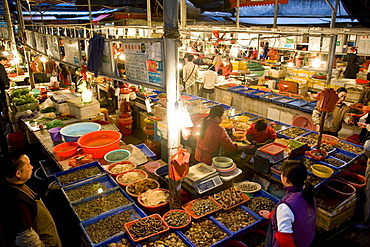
<point x="327" y="100"/>
<point x="179" y="167"/>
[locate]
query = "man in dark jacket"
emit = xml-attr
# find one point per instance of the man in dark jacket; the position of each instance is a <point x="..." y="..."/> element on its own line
<point x="4" y="80"/>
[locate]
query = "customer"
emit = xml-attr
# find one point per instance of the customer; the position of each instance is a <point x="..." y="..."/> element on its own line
<point x="209" y="80"/>
<point x="190" y="74"/>
<point x="24" y="219"/>
<point x="259" y="134"/>
<point x="65" y="76"/>
<point x="294" y="219"/>
<point x="334" y="119"/>
<point x="212" y="137"/>
<point x="4" y="80"/>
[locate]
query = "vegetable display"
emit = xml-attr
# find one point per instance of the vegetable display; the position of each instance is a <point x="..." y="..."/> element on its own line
<point x="21" y="96"/>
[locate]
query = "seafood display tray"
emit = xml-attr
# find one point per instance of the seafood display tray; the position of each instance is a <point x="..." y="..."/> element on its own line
<point x="145" y="150"/>
<point x="91" y="164"/>
<point x="255" y="94"/>
<point x="245" y="199"/>
<point x="187" y="207"/>
<point x="49" y="167"/>
<point x="289" y="137"/>
<point x="236" y="88"/>
<point x="331" y="166"/>
<point x="105" y="180"/>
<point x="73" y="205"/>
<point x="246" y="91"/>
<point x="252" y="116"/>
<point x="117" y="239"/>
<point x="295" y="104"/>
<point x="181" y="236"/>
<point x="270" y="97"/>
<point x="218" y="224"/>
<point x="283" y="101"/>
<point x="354" y="156"/>
<point x="330" y="152"/>
<point x="264" y="193"/>
<point x="118" y="235"/>
<point x="247" y="228"/>
<point x="127" y="225"/>
<point x="308" y="108"/>
<point x="355" y="145"/>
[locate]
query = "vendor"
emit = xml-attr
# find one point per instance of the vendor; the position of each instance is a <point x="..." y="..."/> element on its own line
<point x="334" y="119"/>
<point x="259" y="134"/>
<point x="25" y="221"/>
<point x="226" y="67"/>
<point x="212" y="137"/>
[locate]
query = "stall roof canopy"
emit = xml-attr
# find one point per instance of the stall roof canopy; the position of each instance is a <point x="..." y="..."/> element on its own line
<point x="290" y="20"/>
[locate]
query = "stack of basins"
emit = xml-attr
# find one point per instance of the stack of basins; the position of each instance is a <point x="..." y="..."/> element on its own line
<point x="224" y="165"/>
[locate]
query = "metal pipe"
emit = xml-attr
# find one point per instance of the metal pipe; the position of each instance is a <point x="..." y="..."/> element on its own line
<point x="237" y="13"/>
<point x="149" y="13"/>
<point x="276" y="10"/>
<point x="9" y="21"/>
<point x="333" y="42"/>
<point x="90" y="16"/>
<point x="183" y="14"/>
<point x="171" y="54"/>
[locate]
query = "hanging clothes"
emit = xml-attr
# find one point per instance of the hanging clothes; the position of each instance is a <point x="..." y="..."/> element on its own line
<point x="96" y="48"/>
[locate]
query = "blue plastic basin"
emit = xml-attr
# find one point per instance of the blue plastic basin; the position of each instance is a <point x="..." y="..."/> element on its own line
<point x="72" y="132"/>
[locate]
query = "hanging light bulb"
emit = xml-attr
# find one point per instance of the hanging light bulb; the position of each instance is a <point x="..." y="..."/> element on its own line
<point x="316" y="62"/>
<point x="122" y="57"/>
<point x="43" y="59"/>
<point x="86" y="96"/>
<point x="290" y="64"/>
<point x="5" y="53"/>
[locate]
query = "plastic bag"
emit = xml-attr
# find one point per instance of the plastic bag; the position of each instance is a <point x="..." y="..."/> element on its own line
<point x="327" y="100"/>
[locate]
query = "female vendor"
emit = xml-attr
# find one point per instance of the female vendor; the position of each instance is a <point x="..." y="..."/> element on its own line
<point x="212" y="137"/>
<point x="294" y="218"/>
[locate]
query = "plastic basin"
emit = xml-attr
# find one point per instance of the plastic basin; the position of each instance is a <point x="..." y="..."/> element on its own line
<point x="155" y="208"/>
<point x="98" y="143"/>
<point x="117" y="155"/>
<point x="130" y="188"/>
<point x="143" y="175"/>
<point x="356" y="180"/>
<point x="114" y="174"/>
<point x="222" y="162"/>
<point x="315" y="156"/>
<point x="152" y="166"/>
<point x="321" y="171"/>
<point x="72" y="132"/>
<point x="341" y="188"/>
<point x="165" y="218"/>
<point x="66" y="149"/>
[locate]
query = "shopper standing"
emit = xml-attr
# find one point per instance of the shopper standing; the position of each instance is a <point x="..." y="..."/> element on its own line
<point x="333" y="120"/>
<point x="4" y="80"/>
<point x="209" y="80"/>
<point x="294" y="219"/>
<point x="190" y="74"/>
<point x="212" y="137"/>
<point x="24" y="219"/>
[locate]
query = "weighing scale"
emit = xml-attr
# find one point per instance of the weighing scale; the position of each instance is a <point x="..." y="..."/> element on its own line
<point x="202" y="178"/>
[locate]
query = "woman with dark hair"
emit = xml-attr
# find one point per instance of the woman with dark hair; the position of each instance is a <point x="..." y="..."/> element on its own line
<point x="212" y="137"/>
<point x="294" y="218"/>
<point x="65" y="76"/>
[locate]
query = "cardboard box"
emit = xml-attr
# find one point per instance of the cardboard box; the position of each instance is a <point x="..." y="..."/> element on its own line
<point x="62" y="108"/>
<point x="274" y="73"/>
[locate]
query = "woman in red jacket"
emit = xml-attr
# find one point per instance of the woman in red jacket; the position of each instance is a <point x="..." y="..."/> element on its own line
<point x="212" y="137"/>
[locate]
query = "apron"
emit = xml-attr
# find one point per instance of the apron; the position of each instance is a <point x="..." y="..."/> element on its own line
<point x="44" y="224"/>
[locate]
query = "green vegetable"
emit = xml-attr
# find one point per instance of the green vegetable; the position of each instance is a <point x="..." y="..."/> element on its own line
<point x="48" y="109"/>
<point x="54" y="123"/>
<point x="17" y="92"/>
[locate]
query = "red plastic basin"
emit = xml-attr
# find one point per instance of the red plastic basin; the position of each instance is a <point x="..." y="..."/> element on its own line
<point x="66" y="149"/>
<point x="98" y="143"/>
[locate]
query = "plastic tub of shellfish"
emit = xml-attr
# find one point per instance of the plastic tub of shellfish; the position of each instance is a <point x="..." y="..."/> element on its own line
<point x="254" y="94"/>
<point x="307" y="108"/>
<point x="88" y="188"/>
<point x="145" y="150"/>
<point x="263" y="193"/>
<point x="283" y="101"/>
<point x="79" y="174"/>
<point x="295" y="104"/>
<point x="246" y="91"/>
<point x="102" y="204"/>
<point x="111" y="225"/>
<point x="158" y="239"/>
<point x="350" y="147"/>
<point x="163" y="224"/>
<point x="221" y="227"/>
<point x="125" y="240"/>
<point x="284" y="133"/>
<point x="344" y="156"/>
<point x="188" y="207"/>
<point x="324" y="147"/>
<point x="257" y="219"/>
<point x="332" y="159"/>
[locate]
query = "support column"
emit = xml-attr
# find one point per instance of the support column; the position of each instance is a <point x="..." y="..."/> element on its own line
<point x="171" y="42"/>
<point x="149" y="13"/>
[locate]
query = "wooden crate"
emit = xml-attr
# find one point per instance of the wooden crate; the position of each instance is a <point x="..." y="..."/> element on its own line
<point x="330" y="220"/>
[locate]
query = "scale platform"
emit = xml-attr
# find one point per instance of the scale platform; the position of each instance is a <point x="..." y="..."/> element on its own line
<point x="203" y="177"/>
